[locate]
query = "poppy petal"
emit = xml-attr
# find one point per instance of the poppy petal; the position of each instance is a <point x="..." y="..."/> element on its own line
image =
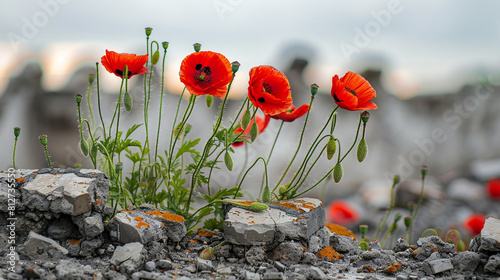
<point x="292" y="114"/>
<point x="353" y="92"/>
<point x="269" y="90"/>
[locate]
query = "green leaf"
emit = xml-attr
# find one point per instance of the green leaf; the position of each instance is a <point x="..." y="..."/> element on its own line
<point x="213" y="223"/>
<point x="131" y="130"/>
<point x="187" y="147"/>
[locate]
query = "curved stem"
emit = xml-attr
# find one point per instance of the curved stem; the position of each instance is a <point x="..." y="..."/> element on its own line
<point x="248" y="170"/>
<point x="90" y="105"/>
<point x="353" y="143"/>
<point x="161" y="103"/>
<point x="391" y="205"/>
<point x="269" y="156"/>
<point x="99" y="102"/>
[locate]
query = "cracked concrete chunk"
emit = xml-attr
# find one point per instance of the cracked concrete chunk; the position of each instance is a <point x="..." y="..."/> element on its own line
<point x="493" y="265"/>
<point x="129" y="257"/>
<point x="41" y="247"/>
<point x="490" y="235"/>
<point x="296" y="219"/>
<point x="437" y="266"/>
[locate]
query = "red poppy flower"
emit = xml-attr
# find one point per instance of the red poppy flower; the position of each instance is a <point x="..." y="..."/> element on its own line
<point x="352" y="92"/>
<point x="292" y="114"/>
<point x="115" y="63"/>
<point x="474" y="223"/>
<point x="269" y="90"/>
<point x="261" y="125"/>
<point x="206" y="72"/>
<point x="493" y="188"/>
<point x="340" y="212"/>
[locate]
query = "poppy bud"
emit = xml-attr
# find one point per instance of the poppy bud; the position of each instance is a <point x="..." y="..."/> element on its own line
<point x="43" y="139"/>
<point x="179" y="128"/>
<point x="210" y="100"/>
<point x="197" y="47"/>
<point x="362" y="150"/>
<point x="365" y="116"/>
<point x="254" y="131"/>
<point x="266" y="194"/>
<point x="228" y="161"/>
<point x="235" y="65"/>
<point x="424" y="170"/>
<point x="93" y="151"/>
<point x="17" y="131"/>
<point x="407" y="221"/>
<point x="337" y="172"/>
<point x="363" y="245"/>
<point x="314" y="89"/>
<point x="84" y="146"/>
<point x="78" y="99"/>
<point x="148" y="30"/>
<point x="397" y="217"/>
<point x="396" y="179"/>
<point x="331" y="147"/>
<point x="165" y="45"/>
<point x="155" y="57"/>
<point x="77" y="165"/>
<point x="282" y="190"/>
<point x="91" y="78"/>
<point x="461" y="245"/>
<point x="393" y="228"/>
<point x="187" y="129"/>
<point x="127" y="101"/>
<point x="207" y="253"/>
<point x="118" y="167"/>
<point x="257" y="206"/>
<point x="245" y="120"/>
<point x="411" y="206"/>
<point x="363" y="229"/>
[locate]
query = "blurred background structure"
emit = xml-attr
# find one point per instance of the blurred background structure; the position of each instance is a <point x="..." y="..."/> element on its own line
<point x="436" y="69"/>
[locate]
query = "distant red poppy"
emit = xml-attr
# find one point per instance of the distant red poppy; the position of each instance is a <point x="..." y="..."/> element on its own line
<point x="115" y="63"/>
<point x="206" y="72"/>
<point x="493" y="188"/>
<point x="474" y="223"/>
<point x="352" y="92"/>
<point x="269" y="90"/>
<point x="292" y="114"/>
<point x="261" y="125"/>
<point x="340" y="212"/>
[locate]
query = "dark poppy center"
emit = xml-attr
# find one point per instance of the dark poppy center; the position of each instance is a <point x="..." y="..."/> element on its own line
<point x="120" y="72"/>
<point x="202" y="74"/>
<point x="353" y="92"/>
<point x="336" y="98"/>
<point x="267" y="88"/>
<point x="261" y="99"/>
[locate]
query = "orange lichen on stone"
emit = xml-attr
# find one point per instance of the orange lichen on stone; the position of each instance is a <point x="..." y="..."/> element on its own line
<point x="193" y="241"/>
<point x="141" y="224"/>
<point x="414" y="252"/>
<point x="393" y="267"/>
<point x="206" y="233"/>
<point x="73" y="241"/>
<point x="288" y="205"/>
<point x="307" y="204"/>
<point x="97" y="201"/>
<point x="127" y="211"/>
<point x="20" y="179"/>
<point x="167" y="216"/>
<point x="340" y="230"/>
<point x="251" y="222"/>
<point x="138" y="219"/>
<point x="329" y="253"/>
<point x="366" y="268"/>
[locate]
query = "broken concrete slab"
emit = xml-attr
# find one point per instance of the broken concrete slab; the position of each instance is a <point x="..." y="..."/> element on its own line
<point x="41" y="247"/>
<point x="493" y="264"/>
<point x="129" y="257"/>
<point x="490" y="235"/>
<point x="437" y="266"/>
<point x="296" y="219"/>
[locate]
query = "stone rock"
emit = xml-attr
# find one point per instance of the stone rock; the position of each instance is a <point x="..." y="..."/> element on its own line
<point x="41" y="247"/>
<point x="466" y="261"/>
<point x="150" y="266"/>
<point x="128" y="257"/>
<point x="69" y="270"/>
<point x="164" y="264"/>
<point x="279" y="266"/>
<point x="289" y="253"/>
<point x="255" y="254"/>
<point x="145" y="275"/>
<point x="316" y="273"/>
<point x="490" y="235"/>
<point x="89" y="246"/>
<point x="93" y="226"/>
<point x="224" y="270"/>
<point x="62" y="228"/>
<point x="436" y="266"/>
<point x="274" y="276"/>
<point x="343" y="244"/>
<point x="73" y="247"/>
<point x="202" y="264"/>
<point x="250" y="276"/>
<point x="493" y="264"/>
<point x="296" y="219"/>
<point x="401" y="245"/>
<point x="309" y="258"/>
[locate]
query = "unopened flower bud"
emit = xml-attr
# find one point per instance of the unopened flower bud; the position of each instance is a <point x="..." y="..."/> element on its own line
<point x="17" y="131"/>
<point x="363" y="245"/>
<point x="210" y="100"/>
<point x="228" y="161"/>
<point x="118" y="167"/>
<point x="43" y="139"/>
<point x="424" y="170"/>
<point x="314" y="89"/>
<point x="235" y="65"/>
<point x="207" y="253"/>
<point x="179" y="128"/>
<point x="78" y="99"/>
<point x="258" y="207"/>
<point x="148" y="30"/>
<point x="338" y="172"/>
<point x="155" y="57"/>
<point x="460" y="245"/>
<point x="362" y="150"/>
<point x="331" y="147"/>
<point x="363" y="229"/>
<point x="282" y="190"/>
<point x="254" y="131"/>
<point x="411" y="206"/>
<point x="93" y="151"/>
<point x="407" y="221"/>
<point x="397" y="217"/>
<point x="266" y="194"/>
<point x="165" y="45"/>
<point x="84" y="147"/>
<point x="91" y="78"/>
<point x="245" y="120"/>
<point x="187" y="129"/>
<point x="197" y="47"/>
<point x="365" y="116"/>
<point x="396" y="179"/>
<point x="127" y="101"/>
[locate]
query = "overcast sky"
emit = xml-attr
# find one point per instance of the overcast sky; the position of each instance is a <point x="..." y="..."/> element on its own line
<point x="427" y="45"/>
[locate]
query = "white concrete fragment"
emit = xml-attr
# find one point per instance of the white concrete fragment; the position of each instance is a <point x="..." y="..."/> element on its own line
<point x="491" y="229"/>
<point x="437" y="266"/>
<point x="41" y="247"/>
